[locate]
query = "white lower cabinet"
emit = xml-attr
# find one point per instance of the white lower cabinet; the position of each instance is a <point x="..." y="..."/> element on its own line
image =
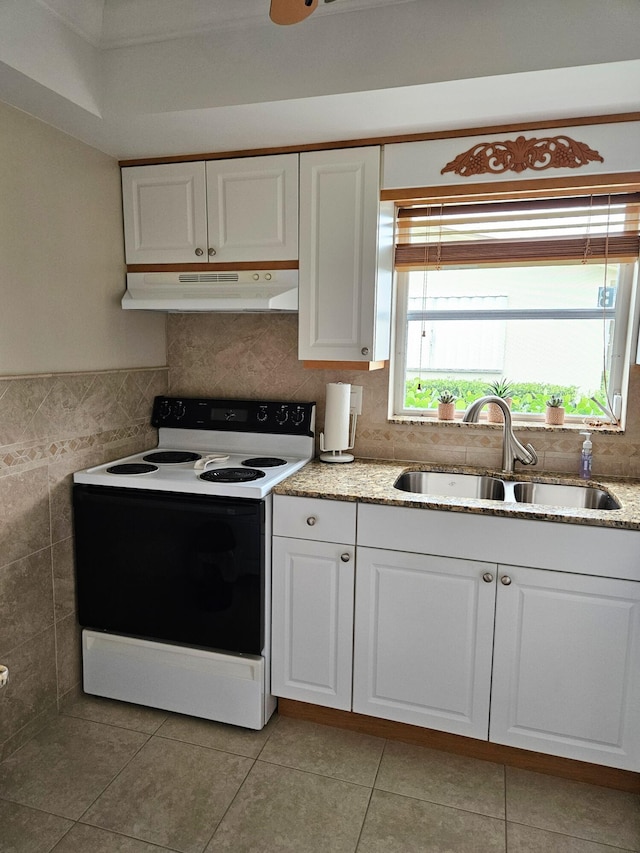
<point x="312" y="595"/>
<point x="566" y="667"/>
<point x="544" y="659"/>
<point x="423" y="640"/>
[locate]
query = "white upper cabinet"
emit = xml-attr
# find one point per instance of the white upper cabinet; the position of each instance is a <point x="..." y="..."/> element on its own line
<point x="165" y="213"/>
<point x="252" y="206"/>
<point x="346" y="257"/>
<point x="221" y="211"/>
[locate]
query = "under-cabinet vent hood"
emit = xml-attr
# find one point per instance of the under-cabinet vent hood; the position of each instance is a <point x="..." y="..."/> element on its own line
<point x="250" y="290"/>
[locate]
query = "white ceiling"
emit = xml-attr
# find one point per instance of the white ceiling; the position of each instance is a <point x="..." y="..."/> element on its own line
<point x="144" y="78"/>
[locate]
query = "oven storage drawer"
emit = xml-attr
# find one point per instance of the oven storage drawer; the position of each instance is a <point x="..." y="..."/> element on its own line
<point x="316" y="519"/>
<point x="211" y="685"/>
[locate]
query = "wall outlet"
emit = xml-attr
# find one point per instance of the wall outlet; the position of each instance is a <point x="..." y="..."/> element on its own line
<point x="4" y="675"/>
<point x="355" y="402"/>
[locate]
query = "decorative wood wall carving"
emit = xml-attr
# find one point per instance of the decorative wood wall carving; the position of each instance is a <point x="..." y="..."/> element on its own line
<point x="549" y="152"/>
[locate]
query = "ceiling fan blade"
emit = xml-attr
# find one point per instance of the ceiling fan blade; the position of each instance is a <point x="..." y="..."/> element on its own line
<point x="291" y="11"/>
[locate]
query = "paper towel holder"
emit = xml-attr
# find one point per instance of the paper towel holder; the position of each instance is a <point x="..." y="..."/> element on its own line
<point x="329" y="455"/>
<point x="334" y="444"/>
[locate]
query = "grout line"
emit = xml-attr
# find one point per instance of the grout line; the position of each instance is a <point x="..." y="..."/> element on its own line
<point x="118" y="774"/>
<point x="373" y="788"/>
<point x="233" y="799"/>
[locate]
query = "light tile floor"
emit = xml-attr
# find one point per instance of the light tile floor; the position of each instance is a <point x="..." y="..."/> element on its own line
<point x="106" y="777"/>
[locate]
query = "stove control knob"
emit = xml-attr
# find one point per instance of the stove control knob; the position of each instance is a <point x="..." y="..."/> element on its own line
<point x="179" y="410"/>
<point x="256" y="277"/>
<point x="297" y="416"/>
<point x="268" y="276"/>
<point x="262" y="414"/>
<point x="164" y="410"/>
<point x="282" y="415"/>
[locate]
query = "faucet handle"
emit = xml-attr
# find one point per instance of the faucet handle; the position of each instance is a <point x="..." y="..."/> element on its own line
<point x="534" y="456"/>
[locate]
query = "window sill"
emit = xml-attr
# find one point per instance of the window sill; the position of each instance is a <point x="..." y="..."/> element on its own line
<point x="528" y="426"/>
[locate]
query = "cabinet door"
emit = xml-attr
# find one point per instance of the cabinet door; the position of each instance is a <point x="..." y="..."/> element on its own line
<point x="566" y="675"/>
<point x="312" y="621"/>
<point x="344" y="305"/>
<point x="423" y="640"/>
<point x="165" y="213"/>
<point x="253" y="208"/>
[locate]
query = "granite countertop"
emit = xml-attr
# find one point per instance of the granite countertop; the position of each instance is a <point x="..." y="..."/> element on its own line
<point x="371" y="481"/>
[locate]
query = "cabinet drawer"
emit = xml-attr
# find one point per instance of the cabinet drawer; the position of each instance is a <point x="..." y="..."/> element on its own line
<point x="312" y="518"/>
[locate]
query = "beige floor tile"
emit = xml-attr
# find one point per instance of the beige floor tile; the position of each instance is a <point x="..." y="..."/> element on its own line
<point x="345" y="755"/>
<point x="574" y="808"/>
<point x="396" y="824"/>
<point x="67" y="765"/>
<point x="90" y="839"/>
<point x="24" y="830"/>
<point x="113" y="713"/>
<point x="451" y="780"/>
<point x="527" y="839"/>
<point x="172" y="794"/>
<point x="217" y="735"/>
<point x="280" y="810"/>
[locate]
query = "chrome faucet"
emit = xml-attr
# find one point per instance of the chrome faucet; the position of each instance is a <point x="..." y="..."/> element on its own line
<point x="512" y="450"/>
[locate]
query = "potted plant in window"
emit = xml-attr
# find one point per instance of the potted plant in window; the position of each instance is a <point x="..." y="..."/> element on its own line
<point x="554" y="413"/>
<point x="501" y="388"/>
<point x="446" y="406"/>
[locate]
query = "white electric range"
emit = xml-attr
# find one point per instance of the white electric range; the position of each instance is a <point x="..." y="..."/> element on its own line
<point x="173" y="558"/>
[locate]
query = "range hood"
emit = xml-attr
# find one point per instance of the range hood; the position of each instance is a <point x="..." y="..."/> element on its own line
<point x="249" y="290"/>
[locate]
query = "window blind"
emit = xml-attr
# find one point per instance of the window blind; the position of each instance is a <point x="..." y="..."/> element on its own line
<point x="579" y="228"/>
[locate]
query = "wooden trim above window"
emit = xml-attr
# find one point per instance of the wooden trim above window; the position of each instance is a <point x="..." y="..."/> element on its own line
<point x="496" y="190"/>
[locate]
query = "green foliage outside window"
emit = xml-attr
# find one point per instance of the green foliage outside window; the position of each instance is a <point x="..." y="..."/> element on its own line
<point x="527" y="397"/>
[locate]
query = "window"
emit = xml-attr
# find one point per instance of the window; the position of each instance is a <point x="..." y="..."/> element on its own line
<point x="535" y="291"/>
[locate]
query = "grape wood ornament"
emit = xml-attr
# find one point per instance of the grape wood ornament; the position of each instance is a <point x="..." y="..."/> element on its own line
<point x="518" y="155"/>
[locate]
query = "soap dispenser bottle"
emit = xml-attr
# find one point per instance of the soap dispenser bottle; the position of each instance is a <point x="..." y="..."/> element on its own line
<point x="586" y="456"/>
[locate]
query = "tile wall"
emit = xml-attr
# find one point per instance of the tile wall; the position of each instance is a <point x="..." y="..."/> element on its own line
<point x="51" y="426"/>
<point x="256" y="355"/>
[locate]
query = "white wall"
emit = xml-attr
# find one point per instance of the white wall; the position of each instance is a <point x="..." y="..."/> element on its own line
<point x="61" y="258"/>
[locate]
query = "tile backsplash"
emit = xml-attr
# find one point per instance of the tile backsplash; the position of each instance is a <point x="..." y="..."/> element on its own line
<point x="255" y="355"/>
<point x="51" y="426"/>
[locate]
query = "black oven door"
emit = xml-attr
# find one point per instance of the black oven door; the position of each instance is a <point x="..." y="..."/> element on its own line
<point x="185" y="569"/>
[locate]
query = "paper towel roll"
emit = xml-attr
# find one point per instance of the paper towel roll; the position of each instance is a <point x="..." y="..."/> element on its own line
<point x="336" y="419"/>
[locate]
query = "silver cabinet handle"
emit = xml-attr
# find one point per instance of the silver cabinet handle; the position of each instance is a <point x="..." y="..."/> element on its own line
<point x="311" y="520"/>
<point x="505" y="579"/>
<point x="212" y="252"/>
<point x="199" y="252"/>
<point x="365" y="350"/>
<point x="345" y="557"/>
<point x="487" y="577"/>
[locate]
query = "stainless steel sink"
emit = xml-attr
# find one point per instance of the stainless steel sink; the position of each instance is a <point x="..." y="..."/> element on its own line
<point x="557" y="494"/>
<point x="451" y="485"/>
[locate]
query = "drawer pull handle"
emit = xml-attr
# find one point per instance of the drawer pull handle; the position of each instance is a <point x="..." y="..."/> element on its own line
<point x="311" y="520"/>
<point x="345" y="557"/>
<point x="487" y="577"/>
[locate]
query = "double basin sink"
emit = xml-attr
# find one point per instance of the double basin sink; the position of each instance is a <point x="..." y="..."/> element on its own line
<point x="496" y="489"/>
